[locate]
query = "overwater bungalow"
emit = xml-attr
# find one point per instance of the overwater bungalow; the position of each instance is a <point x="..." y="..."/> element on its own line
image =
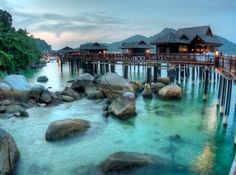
<point x="93" y="48"/>
<point x="138" y="47"/>
<point x="188" y="40"/>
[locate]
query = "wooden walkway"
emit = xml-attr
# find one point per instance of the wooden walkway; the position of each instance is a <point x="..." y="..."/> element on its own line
<point x="226" y="65"/>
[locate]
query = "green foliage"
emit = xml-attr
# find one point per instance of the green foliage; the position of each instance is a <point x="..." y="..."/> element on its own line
<point x="42" y="45"/>
<point x="17" y="49"/>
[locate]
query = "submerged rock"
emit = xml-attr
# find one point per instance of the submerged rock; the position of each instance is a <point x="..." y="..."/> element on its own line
<point x="147" y="92"/>
<point x="42" y="79"/>
<point x="113" y="85"/>
<point x="123" y="107"/>
<point x="9" y="153"/>
<point x="136" y="163"/>
<point x="172" y="91"/>
<point x="64" y="128"/>
<point x="121" y="162"/>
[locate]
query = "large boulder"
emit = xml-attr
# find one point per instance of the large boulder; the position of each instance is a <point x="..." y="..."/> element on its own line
<point x="122" y="162"/>
<point x="42" y="79"/>
<point x="113" y="85"/>
<point x="95" y="94"/>
<point x="82" y="82"/>
<point x="70" y="92"/>
<point x="165" y="80"/>
<point x="15" y="82"/>
<point x="157" y="86"/>
<point x="147" y="92"/>
<point x="36" y="92"/>
<point x="46" y="97"/>
<point x="21" y="96"/>
<point x="14" y="108"/>
<point x="9" y="153"/>
<point x="137" y="85"/>
<point x="123" y="107"/>
<point x="60" y="129"/>
<point x="172" y="91"/>
<point x="136" y="163"/>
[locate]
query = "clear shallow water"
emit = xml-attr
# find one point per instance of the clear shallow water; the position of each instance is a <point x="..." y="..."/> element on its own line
<point x="206" y="145"/>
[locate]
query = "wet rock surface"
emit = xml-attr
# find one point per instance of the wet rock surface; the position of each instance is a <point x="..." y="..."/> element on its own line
<point x="9" y="153"/>
<point x="61" y="129"/>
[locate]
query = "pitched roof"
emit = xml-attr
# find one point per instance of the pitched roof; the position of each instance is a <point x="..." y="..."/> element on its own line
<point x="93" y="46"/>
<point x="66" y="48"/>
<point x="210" y="39"/>
<point x="201" y="30"/>
<point x="186" y="36"/>
<point x="170" y="38"/>
<point x="135" y="45"/>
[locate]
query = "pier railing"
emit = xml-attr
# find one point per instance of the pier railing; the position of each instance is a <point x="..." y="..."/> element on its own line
<point x="226" y="64"/>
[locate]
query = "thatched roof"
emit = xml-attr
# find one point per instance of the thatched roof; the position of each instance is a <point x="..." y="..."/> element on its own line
<point x="135" y="45"/>
<point x="93" y="46"/>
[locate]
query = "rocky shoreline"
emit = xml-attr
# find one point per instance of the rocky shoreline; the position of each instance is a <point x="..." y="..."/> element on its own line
<point x="16" y="96"/>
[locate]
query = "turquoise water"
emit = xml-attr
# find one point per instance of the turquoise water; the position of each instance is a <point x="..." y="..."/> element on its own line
<point x="205" y="145"/>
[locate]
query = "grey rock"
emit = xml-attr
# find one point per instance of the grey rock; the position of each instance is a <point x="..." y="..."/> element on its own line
<point x="165" y="80"/>
<point x="42" y="79"/>
<point x="9" y="153"/>
<point x="94" y="95"/>
<point x="13" y="108"/>
<point x="64" y="128"/>
<point x="6" y="102"/>
<point x="82" y="82"/>
<point x="66" y="98"/>
<point x="113" y="85"/>
<point x="123" y="107"/>
<point x="157" y="86"/>
<point x="36" y="91"/>
<point x="70" y="92"/>
<point x="147" y="92"/>
<point x="15" y="82"/>
<point x="172" y="91"/>
<point x="46" y="97"/>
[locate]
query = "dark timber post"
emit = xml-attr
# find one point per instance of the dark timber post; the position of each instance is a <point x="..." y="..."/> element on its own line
<point x="222" y="104"/>
<point x="228" y="100"/>
<point x="61" y="62"/>
<point x="96" y="68"/>
<point x="102" y="68"/>
<point x="206" y="84"/>
<point x="107" y="67"/>
<point x="126" y="70"/>
<point x="220" y="91"/>
<point x="193" y="75"/>
<point x="155" y="74"/>
<point x="177" y="73"/>
<point x="113" y="68"/>
<point x="149" y="74"/>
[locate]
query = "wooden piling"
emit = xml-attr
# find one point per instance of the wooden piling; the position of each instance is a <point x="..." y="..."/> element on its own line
<point x="222" y="104"/>
<point x="206" y="84"/>
<point x="228" y="100"/>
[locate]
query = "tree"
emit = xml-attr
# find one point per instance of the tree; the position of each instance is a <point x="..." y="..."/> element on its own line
<point x="6" y="19"/>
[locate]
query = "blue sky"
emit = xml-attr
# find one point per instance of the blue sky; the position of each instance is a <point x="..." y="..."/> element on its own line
<point x="72" y="22"/>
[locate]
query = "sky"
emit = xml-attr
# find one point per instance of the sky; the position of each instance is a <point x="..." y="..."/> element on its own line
<point x="74" y="22"/>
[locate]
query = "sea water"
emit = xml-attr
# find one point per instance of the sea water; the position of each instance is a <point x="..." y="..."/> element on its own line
<point x="204" y="145"/>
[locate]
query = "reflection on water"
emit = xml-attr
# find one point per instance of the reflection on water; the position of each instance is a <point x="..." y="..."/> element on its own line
<point x="186" y="132"/>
